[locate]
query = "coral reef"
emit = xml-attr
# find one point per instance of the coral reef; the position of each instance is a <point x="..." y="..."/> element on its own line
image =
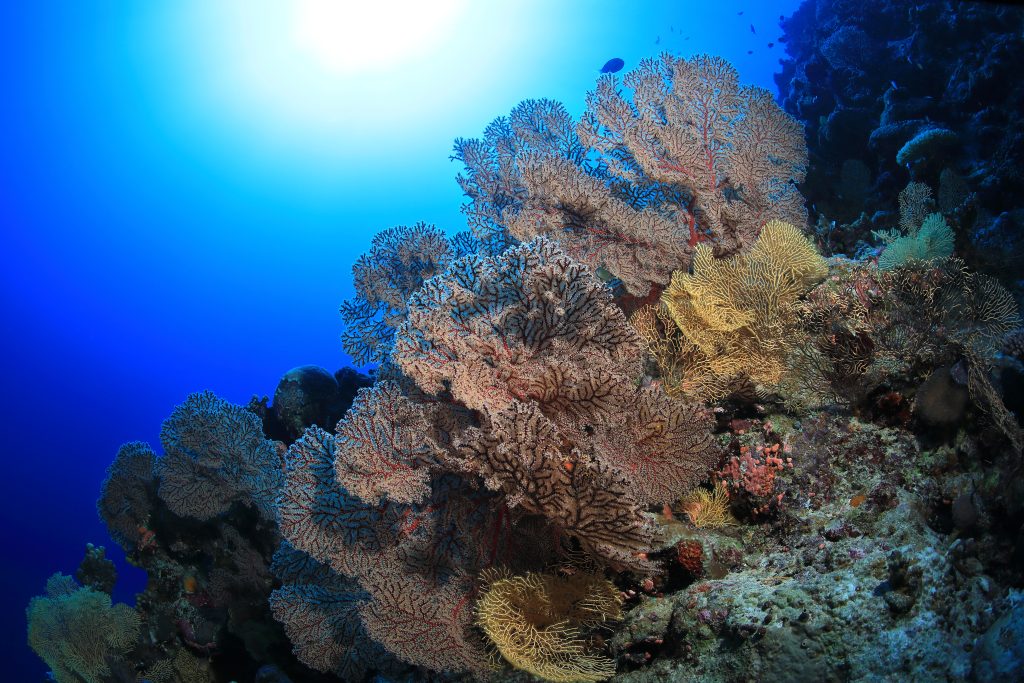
<point x="633" y="425"/>
<point x="910" y="91"/>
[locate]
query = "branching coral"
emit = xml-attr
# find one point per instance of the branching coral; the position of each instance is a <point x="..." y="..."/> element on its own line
<point x="739" y="315"/>
<point x="215" y="455"/>
<point x="537" y="622"/>
<point x="78" y="632"/>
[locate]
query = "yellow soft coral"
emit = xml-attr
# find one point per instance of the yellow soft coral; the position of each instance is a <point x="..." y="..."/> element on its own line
<point x="708" y="509"/>
<point x="738" y="315"/>
<point x="536" y="620"/>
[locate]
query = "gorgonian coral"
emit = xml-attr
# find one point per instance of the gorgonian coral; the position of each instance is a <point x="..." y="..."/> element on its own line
<point x="708" y="508"/>
<point x="78" y="632"/>
<point x="398" y="262"/>
<point x="412" y="561"/>
<point x="215" y="454"/>
<point x="126" y="498"/>
<point x="738" y="316"/>
<point x="538" y="623"/>
<point x="692" y="127"/>
<point x="634" y="186"/>
<point x="534" y="342"/>
<point x="383" y="447"/>
<point x="319" y="609"/>
<point x="493" y="178"/>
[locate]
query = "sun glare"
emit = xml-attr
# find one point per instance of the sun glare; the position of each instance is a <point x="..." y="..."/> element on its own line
<point x="348" y="37"/>
<point x="323" y="83"/>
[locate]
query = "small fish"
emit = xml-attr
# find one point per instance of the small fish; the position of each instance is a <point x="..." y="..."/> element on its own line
<point x="612" y="66"/>
<point x="740" y="13"/>
<point x="752" y="29"/>
<point x="771" y="44"/>
<point x="686" y="38"/>
<point x="894" y="86"/>
<point x="657" y="41"/>
<point x="782" y="18"/>
<point x="750" y="52"/>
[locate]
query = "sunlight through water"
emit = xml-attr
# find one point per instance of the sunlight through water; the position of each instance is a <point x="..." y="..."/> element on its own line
<point x="354" y="38"/>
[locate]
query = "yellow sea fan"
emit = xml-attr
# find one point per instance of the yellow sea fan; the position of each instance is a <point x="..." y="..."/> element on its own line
<point x="536" y="620"/>
<point x="787" y="253"/>
<point x="708" y="509"/>
<point x="739" y="315"/>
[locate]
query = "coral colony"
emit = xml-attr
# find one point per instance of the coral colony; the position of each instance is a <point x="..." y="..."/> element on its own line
<point x="643" y="420"/>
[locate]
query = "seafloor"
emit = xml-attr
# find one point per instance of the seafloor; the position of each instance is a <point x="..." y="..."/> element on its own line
<point x="716" y="387"/>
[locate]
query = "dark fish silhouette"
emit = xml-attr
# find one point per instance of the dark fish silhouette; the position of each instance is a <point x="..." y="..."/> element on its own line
<point x="771" y="44"/>
<point x="750" y="52"/>
<point x="740" y="13"/>
<point x="612" y="66"/>
<point x="752" y="29"/>
<point x="657" y="41"/>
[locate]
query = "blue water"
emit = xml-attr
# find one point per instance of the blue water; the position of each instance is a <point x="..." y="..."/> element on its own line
<point x="183" y="192"/>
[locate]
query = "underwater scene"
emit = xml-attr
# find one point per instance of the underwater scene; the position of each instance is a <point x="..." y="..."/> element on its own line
<point x="514" y="341"/>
